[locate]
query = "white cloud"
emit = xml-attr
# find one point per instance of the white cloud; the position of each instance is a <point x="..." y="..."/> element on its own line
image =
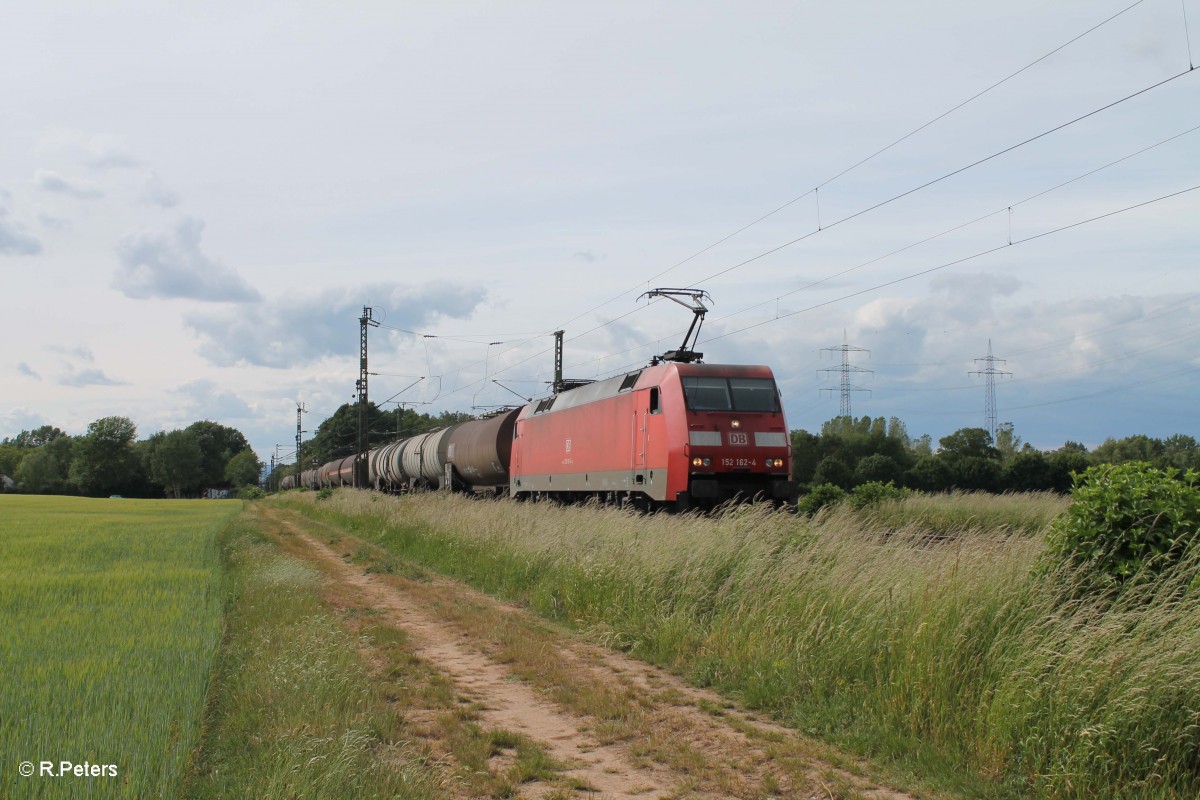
<point x="13" y="238"/>
<point x="79" y="368"/>
<point x="171" y="265"/>
<point x="53" y="182"/>
<point x="96" y="151"/>
<point x="28" y="371"/>
<point x="294" y="331"/>
<point x="155" y="192"/>
<point x="54" y="222"/>
<point x="204" y="398"/>
<point x="111" y="158"/>
<point x="87" y="376"/>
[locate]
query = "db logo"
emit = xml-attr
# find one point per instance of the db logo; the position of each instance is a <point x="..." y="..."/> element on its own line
<point x="738" y="438"/>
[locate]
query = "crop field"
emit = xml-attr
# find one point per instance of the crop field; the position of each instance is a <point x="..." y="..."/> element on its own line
<point x="924" y="635"/>
<point x="111" y="615"/>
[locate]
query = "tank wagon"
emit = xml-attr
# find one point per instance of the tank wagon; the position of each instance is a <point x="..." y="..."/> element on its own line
<point x="671" y="434"/>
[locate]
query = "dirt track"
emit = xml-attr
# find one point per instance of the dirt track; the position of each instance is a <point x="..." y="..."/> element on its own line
<point x="648" y="735"/>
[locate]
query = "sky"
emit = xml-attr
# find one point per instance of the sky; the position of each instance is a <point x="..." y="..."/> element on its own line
<point x="198" y="199"/>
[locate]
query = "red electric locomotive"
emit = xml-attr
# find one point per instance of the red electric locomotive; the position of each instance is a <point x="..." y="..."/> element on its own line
<point x="674" y="433"/>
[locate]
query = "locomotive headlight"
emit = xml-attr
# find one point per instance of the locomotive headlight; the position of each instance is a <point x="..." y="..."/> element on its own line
<point x="701" y="462"/>
<point x="735" y="424"/>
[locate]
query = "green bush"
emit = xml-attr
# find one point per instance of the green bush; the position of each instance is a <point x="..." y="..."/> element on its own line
<point x="873" y="493"/>
<point x="1127" y="522"/>
<point x="251" y="493"/>
<point x="823" y="495"/>
<point x="325" y="493"/>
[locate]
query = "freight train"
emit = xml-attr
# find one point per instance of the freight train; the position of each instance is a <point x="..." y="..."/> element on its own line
<point x="673" y="434"/>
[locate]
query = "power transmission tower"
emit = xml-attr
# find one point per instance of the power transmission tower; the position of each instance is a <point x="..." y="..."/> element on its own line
<point x="360" y="464"/>
<point x="989" y="373"/>
<point x="845" y="387"/>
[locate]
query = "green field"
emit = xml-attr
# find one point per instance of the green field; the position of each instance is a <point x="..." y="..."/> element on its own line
<point x="111" y="617"/>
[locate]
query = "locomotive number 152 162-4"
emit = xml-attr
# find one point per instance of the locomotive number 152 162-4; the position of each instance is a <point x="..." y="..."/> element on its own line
<point x="739" y="462"/>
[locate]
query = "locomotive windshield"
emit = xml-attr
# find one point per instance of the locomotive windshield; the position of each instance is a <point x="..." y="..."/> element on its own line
<point x="730" y="394"/>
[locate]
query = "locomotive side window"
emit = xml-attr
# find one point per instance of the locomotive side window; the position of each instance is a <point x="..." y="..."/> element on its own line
<point x="655" y="407"/>
<point x="707" y="394"/>
<point x="754" y="394"/>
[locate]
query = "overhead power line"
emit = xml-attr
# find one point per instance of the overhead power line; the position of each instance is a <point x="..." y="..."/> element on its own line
<point x="905" y="248"/>
<point x="937" y="180"/>
<point x="904" y="194"/>
<point x="858" y="163"/>
<point x="956" y="262"/>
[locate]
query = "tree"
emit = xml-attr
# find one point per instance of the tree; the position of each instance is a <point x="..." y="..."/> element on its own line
<point x="851" y="440"/>
<point x="921" y="446"/>
<point x="103" y="459"/>
<point x="877" y="468"/>
<point x="36" y="437"/>
<point x="805" y="455"/>
<point x="929" y="474"/>
<point x="975" y="474"/>
<point x="243" y="469"/>
<point x="1007" y="441"/>
<point x="1180" y="451"/>
<point x="833" y="470"/>
<point x="337" y="435"/>
<point x="218" y="443"/>
<point x="1029" y="471"/>
<point x="174" y="462"/>
<point x="45" y="470"/>
<point x="967" y="443"/>
<point x="1065" y="462"/>
<point x="10" y="458"/>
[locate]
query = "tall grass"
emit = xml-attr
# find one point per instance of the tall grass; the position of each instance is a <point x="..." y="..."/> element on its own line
<point x="953" y="657"/>
<point x="110" y="614"/>
<point x="954" y="512"/>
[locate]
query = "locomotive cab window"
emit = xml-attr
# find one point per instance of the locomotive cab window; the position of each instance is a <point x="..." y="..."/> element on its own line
<point x="754" y="394"/>
<point x="707" y="394"/>
<point x="655" y="406"/>
<point x="731" y="394"/>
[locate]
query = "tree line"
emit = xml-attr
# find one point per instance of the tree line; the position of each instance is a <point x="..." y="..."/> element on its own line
<point x="109" y="459"/>
<point x="850" y="451"/>
<point x="847" y="452"/>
